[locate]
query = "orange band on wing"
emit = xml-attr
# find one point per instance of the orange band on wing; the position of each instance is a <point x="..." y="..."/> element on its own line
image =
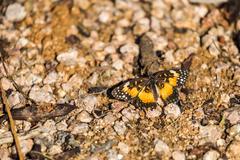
<point x="133" y="92"/>
<point x="173" y="81"/>
<point x="146" y="97"/>
<point x="166" y="91"/>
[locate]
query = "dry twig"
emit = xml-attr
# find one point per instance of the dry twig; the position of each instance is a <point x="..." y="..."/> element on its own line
<point x="12" y="124"/>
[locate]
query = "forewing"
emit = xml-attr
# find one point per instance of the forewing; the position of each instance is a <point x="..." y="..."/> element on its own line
<point x="147" y="97"/>
<point x="138" y="92"/>
<point x="166" y="83"/>
<point x="129" y="89"/>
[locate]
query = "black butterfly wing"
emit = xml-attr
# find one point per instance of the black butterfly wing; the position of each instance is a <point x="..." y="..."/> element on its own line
<point x="138" y="92"/>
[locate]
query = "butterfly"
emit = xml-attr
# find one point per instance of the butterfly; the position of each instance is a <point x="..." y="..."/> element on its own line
<point x="160" y="88"/>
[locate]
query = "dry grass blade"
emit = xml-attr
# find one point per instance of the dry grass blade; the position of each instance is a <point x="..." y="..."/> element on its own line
<point x="12" y="124"/>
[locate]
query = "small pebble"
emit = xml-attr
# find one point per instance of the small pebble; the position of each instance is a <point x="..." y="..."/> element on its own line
<point x="15" y="12"/>
<point x="69" y="57"/>
<point x="123" y="147"/>
<point x="216" y="2"/>
<point x="84" y="117"/>
<point x="93" y="78"/>
<point x="130" y="114"/>
<point x="211" y="155"/>
<point x="55" y="149"/>
<point x="129" y="48"/>
<point x="74" y="82"/>
<point x="110" y="49"/>
<point x="22" y="42"/>
<point x="90" y="103"/>
<point x="172" y="110"/>
<point x="118" y="64"/>
<point x="161" y="147"/>
<point x="4" y="152"/>
<point x="98" y="46"/>
<point x="225" y="98"/>
<point x="109" y="119"/>
<point x="50" y="127"/>
<point x="233" y="150"/>
<point x="120" y="127"/>
<point x="152" y="113"/>
<point x="105" y="16"/>
<point x="178" y="155"/>
<point x="41" y="94"/>
<point x="142" y="26"/>
<point x="213" y="50"/>
<point x="26" y="146"/>
<point x="78" y="128"/>
<point x="62" y="126"/>
<point x="6" y="83"/>
<point x="221" y="142"/>
<point x="232" y="114"/>
<point x="113" y="155"/>
<point x="14" y="98"/>
<point x="210" y="133"/>
<point x="51" y="78"/>
<point x="234" y="130"/>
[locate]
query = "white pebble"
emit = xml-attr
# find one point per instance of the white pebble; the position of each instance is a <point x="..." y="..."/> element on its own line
<point x="41" y="94"/>
<point x="234" y="130"/>
<point x="22" y="42"/>
<point x="211" y="155"/>
<point x="120" y="127"/>
<point x="26" y="146"/>
<point x="172" y="110"/>
<point x="142" y="26"/>
<point x="84" y="116"/>
<point x="90" y="102"/>
<point x="15" y="12"/>
<point x="233" y="150"/>
<point x="124" y="149"/>
<point x="79" y="128"/>
<point x="129" y="48"/>
<point x="110" y="49"/>
<point x="161" y="147"/>
<point x="118" y="64"/>
<point x="14" y="99"/>
<point x="104" y="16"/>
<point x="55" y="149"/>
<point x="69" y="57"/>
<point x="225" y="98"/>
<point x="152" y="113"/>
<point x="98" y="46"/>
<point x="178" y="155"/>
<point x="130" y="114"/>
<point x="51" y="78"/>
<point x="210" y="133"/>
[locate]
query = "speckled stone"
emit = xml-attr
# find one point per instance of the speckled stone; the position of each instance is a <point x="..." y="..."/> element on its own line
<point x="178" y="155"/>
<point x="15" y="12"/>
<point x="233" y="150"/>
<point x="210" y="133"/>
<point x="172" y="110"/>
<point x="120" y="127"/>
<point x="211" y="155"/>
<point x="78" y="128"/>
<point x="84" y="116"/>
<point x="162" y="148"/>
<point x="123" y="147"/>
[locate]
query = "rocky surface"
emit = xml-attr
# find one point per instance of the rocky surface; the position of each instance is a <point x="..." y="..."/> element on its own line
<point x="55" y="50"/>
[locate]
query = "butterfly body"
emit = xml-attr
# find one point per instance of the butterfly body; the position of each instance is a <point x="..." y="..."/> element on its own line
<point x="159" y="88"/>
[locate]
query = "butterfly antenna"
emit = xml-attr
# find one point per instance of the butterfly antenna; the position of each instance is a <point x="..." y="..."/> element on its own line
<point x="187" y="62"/>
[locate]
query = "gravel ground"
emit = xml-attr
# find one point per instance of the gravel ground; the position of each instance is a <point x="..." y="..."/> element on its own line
<point x="58" y="49"/>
